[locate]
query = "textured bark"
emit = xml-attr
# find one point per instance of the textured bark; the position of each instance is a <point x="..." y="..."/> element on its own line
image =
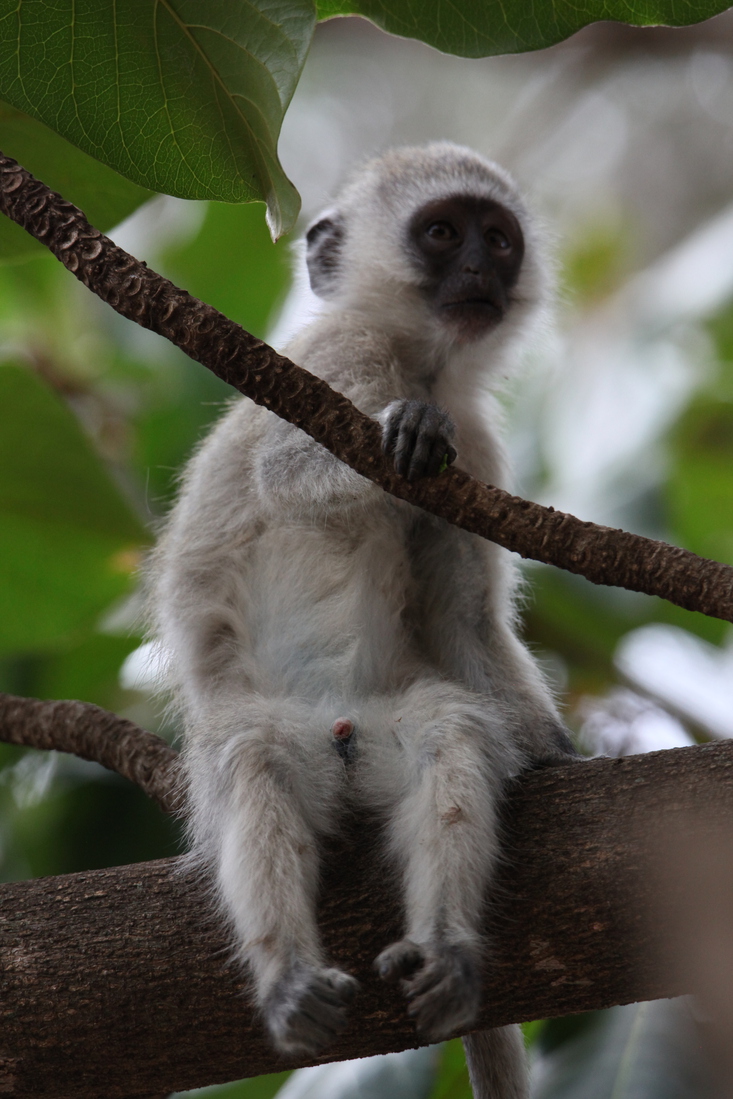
<point x="601" y="554"/>
<point x="92" y="733"/>
<point x="117" y="982"/>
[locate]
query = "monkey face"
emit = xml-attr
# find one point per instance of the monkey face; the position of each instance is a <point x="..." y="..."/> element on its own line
<point x="469" y="252"/>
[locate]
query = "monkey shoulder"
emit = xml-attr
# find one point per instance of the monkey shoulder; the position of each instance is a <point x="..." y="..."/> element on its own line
<point x="354" y="356"/>
<point x="216" y="494"/>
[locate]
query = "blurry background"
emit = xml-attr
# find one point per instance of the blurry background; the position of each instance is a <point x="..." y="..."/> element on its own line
<point x="623" y="141"/>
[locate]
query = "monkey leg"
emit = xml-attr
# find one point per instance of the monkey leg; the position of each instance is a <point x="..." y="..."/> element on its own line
<point x="269" y="792"/>
<point x="497" y="1063"/>
<point x="443" y="832"/>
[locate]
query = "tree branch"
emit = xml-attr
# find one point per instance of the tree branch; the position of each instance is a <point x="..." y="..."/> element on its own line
<point x="92" y="733"/>
<point x="601" y="554"/>
<point x="118" y="982"/>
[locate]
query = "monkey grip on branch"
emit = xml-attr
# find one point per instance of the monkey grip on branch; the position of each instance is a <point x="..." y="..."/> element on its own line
<point x="602" y="554"/>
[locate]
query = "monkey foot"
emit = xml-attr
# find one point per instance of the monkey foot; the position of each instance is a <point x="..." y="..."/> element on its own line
<point x="306" y="1011"/>
<point x="442" y="984"/>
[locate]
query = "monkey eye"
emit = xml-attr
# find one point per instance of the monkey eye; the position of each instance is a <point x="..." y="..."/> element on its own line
<point x="496" y="239"/>
<point x="441" y="231"/>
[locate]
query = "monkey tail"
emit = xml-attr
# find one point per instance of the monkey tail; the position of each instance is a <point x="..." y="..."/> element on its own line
<point x="497" y="1063"/>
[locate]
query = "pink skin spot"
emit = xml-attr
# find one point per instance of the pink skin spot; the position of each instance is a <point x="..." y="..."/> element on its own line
<point x="342" y="728"/>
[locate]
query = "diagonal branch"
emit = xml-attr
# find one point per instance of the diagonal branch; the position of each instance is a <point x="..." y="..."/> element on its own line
<point x="602" y="554"/>
<point x="92" y="733"/>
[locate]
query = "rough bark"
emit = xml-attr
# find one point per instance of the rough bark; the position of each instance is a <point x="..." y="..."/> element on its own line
<point x="601" y="554"/>
<point x="117" y="982"/>
<point x="92" y="733"/>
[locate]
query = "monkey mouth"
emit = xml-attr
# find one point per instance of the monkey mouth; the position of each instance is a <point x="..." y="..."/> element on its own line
<point x="482" y="303"/>
<point x="476" y="310"/>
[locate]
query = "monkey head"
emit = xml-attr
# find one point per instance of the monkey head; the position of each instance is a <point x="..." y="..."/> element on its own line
<point x="433" y="240"/>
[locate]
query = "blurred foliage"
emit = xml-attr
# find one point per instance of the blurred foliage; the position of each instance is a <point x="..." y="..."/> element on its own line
<point x="261" y="1087"/>
<point x="452" y="1079"/>
<point x="698" y="491"/>
<point x="69" y="540"/>
<point x="595" y="261"/>
<point x="648" y="1050"/>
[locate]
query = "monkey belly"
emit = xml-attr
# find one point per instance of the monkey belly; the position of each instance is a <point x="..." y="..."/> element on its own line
<point x="321" y="613"/>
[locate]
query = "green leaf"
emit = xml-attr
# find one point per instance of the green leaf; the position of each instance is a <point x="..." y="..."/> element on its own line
<point x="452" y="1080"/>
<point x="181" y="96"/>
<point x="68" y="539"/>
<point x="580" y="621"/>
<point x="104" y="196"/>
<point x="180" y="409"/>
<point x="255" y="278"/>
<point x="480" y="28"/>
<point x="88" y="671"/>
<point x="700" y="487"/>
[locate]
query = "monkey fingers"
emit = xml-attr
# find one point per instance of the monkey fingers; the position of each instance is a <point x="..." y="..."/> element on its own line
<point x="418" y="435"/>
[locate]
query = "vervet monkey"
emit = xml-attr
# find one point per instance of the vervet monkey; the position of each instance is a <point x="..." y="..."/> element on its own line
<point x="333" y="645"/>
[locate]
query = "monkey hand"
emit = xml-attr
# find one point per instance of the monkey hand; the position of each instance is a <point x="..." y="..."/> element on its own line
<point x="419" y="437"/>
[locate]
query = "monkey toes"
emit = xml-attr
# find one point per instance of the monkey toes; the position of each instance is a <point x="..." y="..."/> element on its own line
<point x="419" y="437"/>
<point x="441" y="982"/>
<point x="306" y="1011"/>
<point x="399" y="960"/>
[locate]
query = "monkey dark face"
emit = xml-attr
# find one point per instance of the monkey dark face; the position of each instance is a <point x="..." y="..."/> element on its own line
<point x="469" y="252"/>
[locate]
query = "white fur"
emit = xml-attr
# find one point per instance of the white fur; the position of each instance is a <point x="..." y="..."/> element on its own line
<point x="291" y="592"/>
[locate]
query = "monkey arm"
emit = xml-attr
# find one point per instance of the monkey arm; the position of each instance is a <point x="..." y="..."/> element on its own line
<point x="295" y="475"/>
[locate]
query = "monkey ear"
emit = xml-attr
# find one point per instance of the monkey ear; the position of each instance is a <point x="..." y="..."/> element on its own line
<point x="324" y="241"/>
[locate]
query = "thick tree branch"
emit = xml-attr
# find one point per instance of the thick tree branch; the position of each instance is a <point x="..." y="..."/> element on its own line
<point x="603" y="555"/>
<point x="92" y="733"/>
<point x="118" y="982"/>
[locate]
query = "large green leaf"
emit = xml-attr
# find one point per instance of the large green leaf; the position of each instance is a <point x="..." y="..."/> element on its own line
<point x="480" y="28"/>
<point x="104" y="196"/>
<point x="181" y="96"/>
<point x="68" y="538"/>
